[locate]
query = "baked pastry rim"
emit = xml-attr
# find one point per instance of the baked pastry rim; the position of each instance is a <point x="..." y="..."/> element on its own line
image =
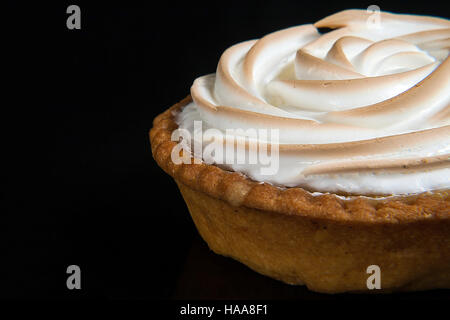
<point x="238" y="190"/>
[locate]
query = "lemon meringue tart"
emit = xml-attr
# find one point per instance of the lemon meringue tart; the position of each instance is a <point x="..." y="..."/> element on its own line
<point x="322" y="159"/>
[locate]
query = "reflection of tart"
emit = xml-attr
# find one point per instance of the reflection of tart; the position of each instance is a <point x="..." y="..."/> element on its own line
<point x="363" y="178"/>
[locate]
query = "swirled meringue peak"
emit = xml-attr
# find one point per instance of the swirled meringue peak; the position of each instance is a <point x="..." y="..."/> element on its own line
<point x="362" y="109"/>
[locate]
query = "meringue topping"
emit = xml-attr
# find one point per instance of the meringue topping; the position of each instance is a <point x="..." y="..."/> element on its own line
<point x="359" y="109"/>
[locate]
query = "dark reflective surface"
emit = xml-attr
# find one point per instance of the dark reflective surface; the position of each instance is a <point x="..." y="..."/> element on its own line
<point x="206" y="275"/>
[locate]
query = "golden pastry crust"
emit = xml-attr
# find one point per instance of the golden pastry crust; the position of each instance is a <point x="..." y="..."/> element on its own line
<point x="325" y="241"/>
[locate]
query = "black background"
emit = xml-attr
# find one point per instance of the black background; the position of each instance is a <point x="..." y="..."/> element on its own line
<point x="80" y="185"/>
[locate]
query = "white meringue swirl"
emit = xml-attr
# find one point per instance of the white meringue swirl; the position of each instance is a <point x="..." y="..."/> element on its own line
<point x="360" y="109"/>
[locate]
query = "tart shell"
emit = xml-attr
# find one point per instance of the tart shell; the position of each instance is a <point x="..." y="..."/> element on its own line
<point x="325" y="242"/>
